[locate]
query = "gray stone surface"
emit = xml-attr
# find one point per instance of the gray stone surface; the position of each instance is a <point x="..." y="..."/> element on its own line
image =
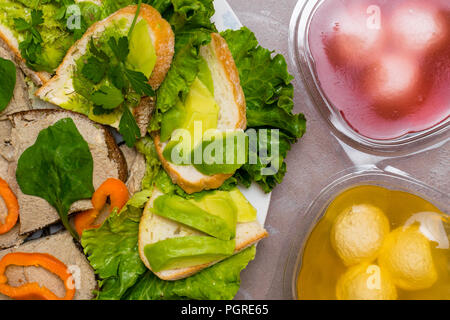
<point x="311" y="161"/>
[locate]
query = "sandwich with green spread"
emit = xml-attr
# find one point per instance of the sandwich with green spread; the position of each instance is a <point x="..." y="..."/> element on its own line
<point x="116" y="63"/>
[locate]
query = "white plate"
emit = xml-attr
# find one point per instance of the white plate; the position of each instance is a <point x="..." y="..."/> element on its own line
<point x="225" y="18"/>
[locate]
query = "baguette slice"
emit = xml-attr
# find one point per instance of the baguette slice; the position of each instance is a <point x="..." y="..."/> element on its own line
<point x="109" y="162"/>
<point x="154" y="228"/>
<point x="62" y="247"/>
<point x="60" y="88"/>
<point x="230" y="98"/>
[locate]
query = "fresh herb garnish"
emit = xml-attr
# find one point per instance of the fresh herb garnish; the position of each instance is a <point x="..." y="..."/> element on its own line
<point x="94" y="70"/>
<point x="31" y="47"/>
<point x="129" y="128"/>
<point x="108" y="97"/>
<point x="119" y="48"/>
<point x="58" y="168"/>
<point x="7" y="82"/>
<point x="139" y="82"/>
<point x="115" y="85"/>
<point x="97" y="52"/>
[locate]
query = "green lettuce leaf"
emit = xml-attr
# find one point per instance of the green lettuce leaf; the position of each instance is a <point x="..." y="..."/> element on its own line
<point x="112" y="249"/>
<point x="269" y="96"/>
<point x="218" y="282"/>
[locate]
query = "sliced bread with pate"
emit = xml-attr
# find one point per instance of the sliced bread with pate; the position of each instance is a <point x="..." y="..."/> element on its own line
<point x="62" y="247"/>
<point x="109" y="162"/>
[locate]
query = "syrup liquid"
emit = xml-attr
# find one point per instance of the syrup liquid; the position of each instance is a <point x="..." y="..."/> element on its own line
<point x="322" y="267"/>
<point x="384" y="65"/>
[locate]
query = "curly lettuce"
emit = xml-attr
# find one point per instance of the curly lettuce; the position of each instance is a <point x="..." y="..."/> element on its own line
<point x="269" y="96"/>
<point x="112" y="249"/>
<point x="219" y="282"/>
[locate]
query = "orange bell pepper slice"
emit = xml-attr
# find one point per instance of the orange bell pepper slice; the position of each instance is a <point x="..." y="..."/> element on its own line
<point x="32" y="290"/>
<point x="11" y="204"/>
<point x="117" y="192"/>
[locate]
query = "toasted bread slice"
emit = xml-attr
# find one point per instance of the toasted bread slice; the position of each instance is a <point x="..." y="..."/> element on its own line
<point x="154" y="228"/>
<point x="230" y="98"/>
<point x="62" y="247"/>
<point x="60" y="89"/>
<point x="109" y="162"/>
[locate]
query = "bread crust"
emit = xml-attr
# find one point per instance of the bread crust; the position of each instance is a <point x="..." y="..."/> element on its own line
<point x="223" y="55"/>
<point x="225" y="58"/>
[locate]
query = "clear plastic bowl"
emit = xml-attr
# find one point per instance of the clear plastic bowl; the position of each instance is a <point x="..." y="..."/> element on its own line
<point x="388" y="177"/>
<point x="302" y="58"/>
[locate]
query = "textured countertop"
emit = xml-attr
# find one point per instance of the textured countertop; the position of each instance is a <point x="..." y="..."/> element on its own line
<point x="312" y="161"/>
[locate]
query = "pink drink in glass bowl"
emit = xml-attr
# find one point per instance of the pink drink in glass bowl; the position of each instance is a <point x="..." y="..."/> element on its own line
<point x="384" y="65"/>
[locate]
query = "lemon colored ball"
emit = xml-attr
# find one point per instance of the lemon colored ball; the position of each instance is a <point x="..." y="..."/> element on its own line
<point x="358" y="233"/>
<point x="406" y="255"/>
<point x="365" y="282"/>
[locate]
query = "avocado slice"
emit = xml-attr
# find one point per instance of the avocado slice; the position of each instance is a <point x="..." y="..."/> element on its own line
<point x="142" y="56"/>
<point x="219" y="203"/>
<point x="186" y="212"/>
<point x="198" y="106"/>
<point x="184" y="252"/>
<point x="245" y="211"/>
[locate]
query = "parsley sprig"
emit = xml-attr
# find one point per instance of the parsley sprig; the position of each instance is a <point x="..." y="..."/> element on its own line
<point x="31" y="47"/>
<point x="119" y="86"/>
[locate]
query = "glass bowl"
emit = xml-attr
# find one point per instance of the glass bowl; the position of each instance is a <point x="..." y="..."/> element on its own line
<point x="301" y="57"/>
<point x="388" y="177"/>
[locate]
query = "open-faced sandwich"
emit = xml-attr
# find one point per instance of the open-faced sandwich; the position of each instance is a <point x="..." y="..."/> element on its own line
<point x="158" y="206"/>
